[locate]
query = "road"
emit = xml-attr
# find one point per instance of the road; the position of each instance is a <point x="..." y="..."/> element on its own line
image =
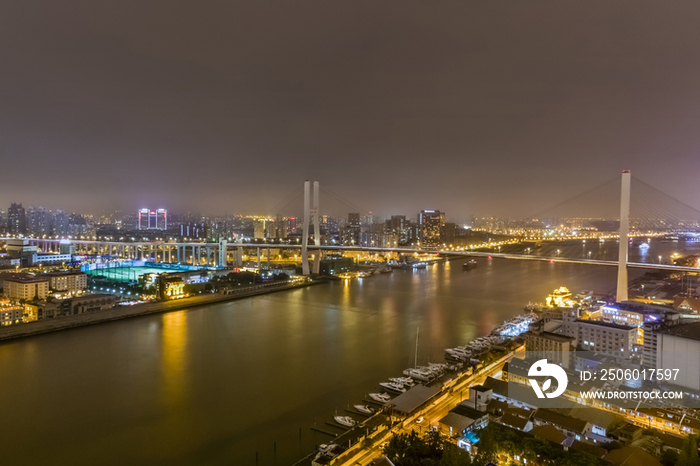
<point x="432" y="413"/>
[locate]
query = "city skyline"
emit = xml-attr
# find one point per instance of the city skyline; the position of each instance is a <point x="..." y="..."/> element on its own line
<point x="474" y="111"/>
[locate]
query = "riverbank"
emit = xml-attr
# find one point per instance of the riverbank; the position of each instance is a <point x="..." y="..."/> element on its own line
<point x="137" y="310"/>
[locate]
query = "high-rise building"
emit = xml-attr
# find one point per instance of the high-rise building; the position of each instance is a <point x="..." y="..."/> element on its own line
<point x="16" y="220"/>
<point x="153" y="219"/>
<point x="353" y="230"/>
<point x="143" y="219"/>
<point x="292" y="226"/>
<point x="38" y="221"/>
<point x="281" y="227"/>
<point x="60" y="224"/>
<point x="259" y="229"/>
<point x="194" y="230"/>
<point x="431" y="224"/>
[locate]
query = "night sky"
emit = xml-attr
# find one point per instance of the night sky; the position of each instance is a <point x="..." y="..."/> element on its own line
<point x="472" y="107"/>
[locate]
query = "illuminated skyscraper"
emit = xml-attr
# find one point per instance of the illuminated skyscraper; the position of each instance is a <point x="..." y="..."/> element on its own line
<point x="353" y="230"/>
<point x="153" y="219"/>
<point x="16" y="220"/>
<point x="431" y="223"/>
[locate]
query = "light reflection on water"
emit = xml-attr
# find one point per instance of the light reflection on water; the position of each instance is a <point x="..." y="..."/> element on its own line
<point x="174" y="334"/>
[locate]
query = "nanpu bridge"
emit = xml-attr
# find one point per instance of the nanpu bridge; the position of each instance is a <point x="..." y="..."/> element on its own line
<point x="224" y="253"/>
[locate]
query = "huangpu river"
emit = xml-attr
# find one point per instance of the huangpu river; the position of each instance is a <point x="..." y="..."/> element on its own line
<point x="215" y="384"/>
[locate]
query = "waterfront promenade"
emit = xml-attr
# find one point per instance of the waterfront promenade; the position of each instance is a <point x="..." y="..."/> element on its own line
<point x="143" y="309"/>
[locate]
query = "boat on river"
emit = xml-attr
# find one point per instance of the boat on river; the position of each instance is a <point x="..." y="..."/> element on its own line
<point x="470" y="265"/>
<point x="380" y="397"/>
<point x="346" y="421"/>
<point x="364" y="409"/>
<point x="394" y="387"/>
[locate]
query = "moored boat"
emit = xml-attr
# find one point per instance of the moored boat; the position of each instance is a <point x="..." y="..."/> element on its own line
<point x="394" y="387"/>
<point x="364" y="409"/>
<point x="345" y="421"/>
<point x="380" y="397"/>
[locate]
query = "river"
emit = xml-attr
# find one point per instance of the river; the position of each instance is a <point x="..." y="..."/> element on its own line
<point x="216" y="384"/>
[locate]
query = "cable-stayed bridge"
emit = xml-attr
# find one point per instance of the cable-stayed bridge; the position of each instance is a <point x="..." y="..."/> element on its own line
<point x="621" y="207"/>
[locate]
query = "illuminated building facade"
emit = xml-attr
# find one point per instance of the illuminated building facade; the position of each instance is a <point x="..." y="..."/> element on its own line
<point x="431" y="224"/>
<point x="170" y="287"/>
<point x="153" y="219"/>
<point x="610" y="339"/>
<point x="16" y="220"/>
<point x="26" y="288"/>
<point x="11" y="315"/>
<point x="353" y="230"/>
<point x="67" y="281"/>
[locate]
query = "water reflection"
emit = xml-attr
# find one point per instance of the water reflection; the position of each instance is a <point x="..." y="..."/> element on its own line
<point x="173" y="356"/>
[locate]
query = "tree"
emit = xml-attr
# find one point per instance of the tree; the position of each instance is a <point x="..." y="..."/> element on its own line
<point x="430" y="450"/>
<point x="689" y="452"/>
<point x="669" y="457"/>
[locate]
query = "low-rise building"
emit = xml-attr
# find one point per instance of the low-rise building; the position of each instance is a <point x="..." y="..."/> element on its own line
<point x="52" y="258"/>
<point x="555" y="347"/>
<point x="570" y="426"/>
<point x="26" y="288"/>
<point x="607" y="338"/>
<point x="67" y="281"/>
<point x="11" y="314"/>
<point x="462" y="419"/>
<point x="88" y="303"/>
<point x="74" y="306"/>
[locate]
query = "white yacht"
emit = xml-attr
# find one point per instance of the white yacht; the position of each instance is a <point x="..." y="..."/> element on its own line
<point x="394" y="387"/>
<point x="405" y="381"/>
<point x="380" y="397"/>
<point x="419" y="374"/>
<point x="345" y="421"/>
<point x="364" y="409"/>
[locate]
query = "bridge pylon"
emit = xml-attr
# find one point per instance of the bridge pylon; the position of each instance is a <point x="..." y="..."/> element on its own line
<point x="311" y="211"/>
<point x="622" y="283"/>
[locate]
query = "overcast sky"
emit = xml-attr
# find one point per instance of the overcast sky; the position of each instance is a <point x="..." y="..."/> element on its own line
<point x="471" y="107"/>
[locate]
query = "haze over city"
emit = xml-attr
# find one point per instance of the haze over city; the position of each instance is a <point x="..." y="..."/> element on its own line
<point x="350" y="233"/>
<point x="226" y="107"/>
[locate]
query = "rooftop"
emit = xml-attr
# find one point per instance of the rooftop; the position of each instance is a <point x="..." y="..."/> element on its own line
<point x="26" y="280"/>
<point x="552" y="336"/>
<point x="514" y="421"/>
<point x="479" y="388"/>
<point x="466" y="411"/>
<point x="414" y="397"/>
<point x="631" y="456"/>
<point x="690" y="331"/>
<point x="64" y="274"/>
<point x="549" y="432"/>
<point x="561" y="420"/>
<point x="598" y="323"/>
<point x="641" y="308"/>
<point x="457" y="421"/>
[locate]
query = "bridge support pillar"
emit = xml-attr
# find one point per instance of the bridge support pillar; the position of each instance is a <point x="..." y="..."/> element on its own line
<point x="310" y="211"/>
<point x="622" y="283"/>
<point x="223" y="262"/>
